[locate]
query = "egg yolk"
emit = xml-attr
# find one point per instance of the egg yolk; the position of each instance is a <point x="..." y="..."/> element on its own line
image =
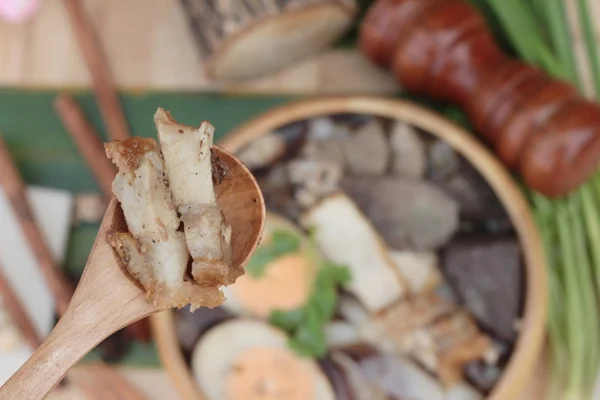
<point x="269" y="373"/>
<point x="285" y="285"/>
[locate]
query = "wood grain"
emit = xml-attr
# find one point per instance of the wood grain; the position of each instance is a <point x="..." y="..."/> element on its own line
<point x="104" y="89"/>
<point x="243" y="39"/>
<point x="213" y="22"/>
<point x="107" y="299"/>
<point x="158" y="51"/>
<point x="43" y="52"/>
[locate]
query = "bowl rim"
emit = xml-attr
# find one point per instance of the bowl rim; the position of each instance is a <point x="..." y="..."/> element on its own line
<point x="529" y="344"/>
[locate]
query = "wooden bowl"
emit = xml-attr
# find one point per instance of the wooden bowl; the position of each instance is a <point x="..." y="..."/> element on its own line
<point x="528" y="347"/>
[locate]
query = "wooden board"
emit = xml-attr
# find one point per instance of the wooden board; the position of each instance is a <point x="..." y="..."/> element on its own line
<point x="42" y="52"/>
<point x="149" y="44"/>
<point x="242" y="39"/>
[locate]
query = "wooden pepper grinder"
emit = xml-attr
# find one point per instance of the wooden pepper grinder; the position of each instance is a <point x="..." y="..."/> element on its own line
<point x="539" y="126"/>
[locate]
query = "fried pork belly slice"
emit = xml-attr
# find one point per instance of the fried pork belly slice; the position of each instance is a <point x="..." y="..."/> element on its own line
<point x="345" y="236"/>
<point x="187" y="154"/>
<point x="153" y="251"/>
<point x="165" y="287"/>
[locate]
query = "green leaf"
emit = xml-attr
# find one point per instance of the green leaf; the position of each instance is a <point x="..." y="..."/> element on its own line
<point x="334" y="274"/>
<point x="584" y="269"/>
<point x="306" y="325"/>
<point x="258" y="262"/>
<point x="311" y="231"/>
<point x="310" y="340"/>
<point x="520" y="28"/>
<point x="322" y="302"/>
<point x="592" y="222"/>
<point x="561" y="39"/>
<point x="495" y="27"/>
<point x="574" y="304"/>
<point x="287" y="320"/>
<point x="587" y="24"/>
<point x="282" y="243"/>
<point x="285" y="242"/>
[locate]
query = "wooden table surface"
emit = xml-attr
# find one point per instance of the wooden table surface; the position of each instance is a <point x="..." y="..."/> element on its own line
<point x="149" y="47"/>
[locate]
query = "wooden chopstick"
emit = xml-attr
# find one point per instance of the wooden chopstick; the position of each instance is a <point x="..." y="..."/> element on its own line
<point x="110" y="108"/>
<point x="14" y="187"/>
<point x="91" y="148"/>
<point x="87" y="141"/>
<point x="18" y="312"/>
<point x="106" y="95"/>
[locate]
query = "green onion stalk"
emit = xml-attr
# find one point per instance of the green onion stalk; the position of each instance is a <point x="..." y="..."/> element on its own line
<point x="539" y="33"/>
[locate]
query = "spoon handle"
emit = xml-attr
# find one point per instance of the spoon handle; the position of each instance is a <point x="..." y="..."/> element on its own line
<point x="101" y="305"/>
<point x="51" y="361"/>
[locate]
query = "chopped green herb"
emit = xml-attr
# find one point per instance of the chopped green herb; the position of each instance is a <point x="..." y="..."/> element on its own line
<point x="287" y="320"/>
<point x="285" y="242"/>
<point x="282" y="242"/>
<point x="306" y="325"/>
<point x="309" y="340"/>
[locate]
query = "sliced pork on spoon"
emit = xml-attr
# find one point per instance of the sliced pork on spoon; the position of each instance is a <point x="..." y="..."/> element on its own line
<point x="245" y="359"/>
<point x="153" y="251"/>
<point x="279" y="275"/>
<point x="187" y="154"/>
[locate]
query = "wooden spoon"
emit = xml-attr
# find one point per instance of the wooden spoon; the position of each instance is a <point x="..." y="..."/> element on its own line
<point x="107" y="299"/>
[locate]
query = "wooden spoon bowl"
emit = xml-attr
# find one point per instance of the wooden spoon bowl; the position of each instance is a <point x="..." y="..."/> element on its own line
<point x="107" y="299"/>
